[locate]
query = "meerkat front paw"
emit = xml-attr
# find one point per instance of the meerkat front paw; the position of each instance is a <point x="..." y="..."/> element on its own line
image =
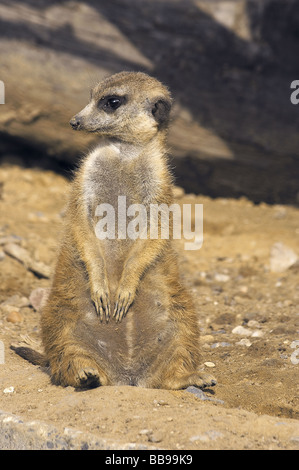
<point x="124" y="300"/>
<point x="101" y="302"/>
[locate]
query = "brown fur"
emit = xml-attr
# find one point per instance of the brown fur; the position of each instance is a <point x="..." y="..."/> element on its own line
<point x="117" y="312"/>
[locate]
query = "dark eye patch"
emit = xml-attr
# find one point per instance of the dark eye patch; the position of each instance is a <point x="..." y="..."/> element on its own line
<point x="111" y="103"/>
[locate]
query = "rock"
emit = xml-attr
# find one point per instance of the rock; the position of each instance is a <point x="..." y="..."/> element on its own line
<point x="151" y="435"/>
<point x="22" y="255"/>
<point x="253" y="324"/>
<point x="221" y="277"/>
<point x="201" y="395"/>
<point x="210" y="364"/>
<point x="16" y="301"/>
<point x="160" y="403"/>
<point x="222" y="344"/>
<point x="244" y="342"/>
<point x="10" y="239"/>
<point x="208" y="436"/>
<point x="244" y="289"/>
<point x="240" y="330"/>
<point x="154" y="437"/>
<point x="40" y="269"/>
<point x="145" y="432"/>
<point x="7" y="309"/>
<point x="9" y="390"/>
<point x="38" y="298"/>
<point x="197" y="392"/>
<point x="257" y="334"/>
<point x="17" y="252"/>
<point x="14" y="317"/>
<point x="281" y="258"/>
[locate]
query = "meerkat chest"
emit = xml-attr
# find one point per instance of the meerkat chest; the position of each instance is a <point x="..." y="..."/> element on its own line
<point x="109" y="177"/>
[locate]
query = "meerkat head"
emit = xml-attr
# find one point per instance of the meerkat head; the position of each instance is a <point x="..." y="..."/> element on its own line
<point x="128" y="106"/>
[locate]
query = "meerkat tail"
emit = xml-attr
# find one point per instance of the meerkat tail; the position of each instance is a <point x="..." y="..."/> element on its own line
<point x="30" y="355"/>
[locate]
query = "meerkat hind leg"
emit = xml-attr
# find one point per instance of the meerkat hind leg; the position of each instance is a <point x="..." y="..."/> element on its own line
<point x="79" y="372"/>
<point x="179" y="373"/>
<point x="89" y="377"/>
<point x="197" y="379"/>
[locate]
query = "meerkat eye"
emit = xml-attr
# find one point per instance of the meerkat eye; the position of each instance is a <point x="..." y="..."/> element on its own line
<point x="111" y="103"/>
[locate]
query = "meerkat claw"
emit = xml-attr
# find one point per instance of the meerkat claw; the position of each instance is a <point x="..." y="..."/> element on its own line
<point x="102" y="306"/>
<point x="122" y="306"/>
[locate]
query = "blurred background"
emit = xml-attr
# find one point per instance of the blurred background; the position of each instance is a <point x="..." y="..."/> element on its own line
<point x="228" y="63"/>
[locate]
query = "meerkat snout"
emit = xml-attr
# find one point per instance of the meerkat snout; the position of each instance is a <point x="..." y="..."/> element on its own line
<point x="75" y="122"/>
<point x="126" y="106"/>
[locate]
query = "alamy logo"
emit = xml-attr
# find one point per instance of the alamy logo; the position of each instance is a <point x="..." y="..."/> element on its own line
<point x="2" y="92"/>
<point x="294" y="95"/>
<point x="151" y="222"/>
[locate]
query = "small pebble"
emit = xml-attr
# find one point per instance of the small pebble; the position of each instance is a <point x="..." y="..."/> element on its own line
<point x="151" y="436"/>
<point x="211" y="435"/>
<point x="145" y="432"/>
<point x="240" y="330"/>
<point x="244" y="342"/>
<point x="223" y="344"/>
<point x="244" y="289"/>
<point x="281" y="258"/>
<point x="253" y="324"/>
<point x="257" y="334"/>
<point x="209" y="364"/>
<point x="160" y="403"/>
<point x="154" y="438"/>
<point x="9" y="390"/>
<point x="14" y="317"/>
<point x="16" y="301"/>
<point x="221" y="277"/>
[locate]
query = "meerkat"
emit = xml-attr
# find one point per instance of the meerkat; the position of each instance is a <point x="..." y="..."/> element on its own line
<point x="118" y="313"/>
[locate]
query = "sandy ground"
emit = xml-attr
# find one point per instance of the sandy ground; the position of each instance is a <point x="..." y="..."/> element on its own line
<point x="248" y="315"/>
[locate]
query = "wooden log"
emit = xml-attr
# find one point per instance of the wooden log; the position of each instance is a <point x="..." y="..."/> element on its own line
<point x="229" y="65"/>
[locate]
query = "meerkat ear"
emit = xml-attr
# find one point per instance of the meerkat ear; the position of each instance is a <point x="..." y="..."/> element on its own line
<point x="160" y="110"/>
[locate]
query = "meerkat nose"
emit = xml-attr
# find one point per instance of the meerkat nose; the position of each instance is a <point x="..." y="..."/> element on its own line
<point x="75" y="122"/>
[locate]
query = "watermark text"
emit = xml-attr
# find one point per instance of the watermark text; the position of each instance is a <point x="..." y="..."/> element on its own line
<point x="2" y="92"/>
<point x="155" y="221"/>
